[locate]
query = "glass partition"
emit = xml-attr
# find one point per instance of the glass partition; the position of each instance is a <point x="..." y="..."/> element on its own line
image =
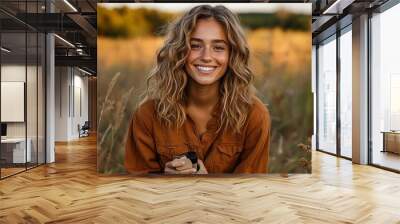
<point x="13" y="104"/>
<point x="327" y="95"/>
<point x="346" y="93"/>
<point x="22" y="88"/>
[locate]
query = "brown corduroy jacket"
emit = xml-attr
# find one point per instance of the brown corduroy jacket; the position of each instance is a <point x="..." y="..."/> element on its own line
<point x="150" y="144"/>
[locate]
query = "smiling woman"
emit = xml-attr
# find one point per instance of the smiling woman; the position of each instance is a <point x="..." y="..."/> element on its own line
<point x="200" y="114"/>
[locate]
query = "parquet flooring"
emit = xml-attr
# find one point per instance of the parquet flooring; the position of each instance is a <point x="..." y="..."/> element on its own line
<point x="9" y="171"/>
<point x="70" y="191"/>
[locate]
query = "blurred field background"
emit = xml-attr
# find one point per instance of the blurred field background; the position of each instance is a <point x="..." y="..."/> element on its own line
<point x="280" y="45"/>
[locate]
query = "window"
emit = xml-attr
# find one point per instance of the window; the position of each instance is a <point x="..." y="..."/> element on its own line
<point x="327" y="95"/>
<point x="385" y="88"/>
<point x="346" y="93"/>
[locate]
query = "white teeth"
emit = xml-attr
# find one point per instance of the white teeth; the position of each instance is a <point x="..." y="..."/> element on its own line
<point x="205" y="69"/>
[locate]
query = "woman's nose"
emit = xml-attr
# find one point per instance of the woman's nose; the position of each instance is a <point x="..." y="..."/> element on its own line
<point x="206" y="55"/>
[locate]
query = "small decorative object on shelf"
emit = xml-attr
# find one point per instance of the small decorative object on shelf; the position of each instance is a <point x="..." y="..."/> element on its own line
<point x="391" y="141"/>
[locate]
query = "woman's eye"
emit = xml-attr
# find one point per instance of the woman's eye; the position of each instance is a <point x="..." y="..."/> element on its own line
<point x="219" y="48"/>
<point x="195" y="46"/>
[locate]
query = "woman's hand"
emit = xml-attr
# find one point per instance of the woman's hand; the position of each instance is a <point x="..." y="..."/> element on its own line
<point x="183" y="165"/>
<point x="180" y="165"/>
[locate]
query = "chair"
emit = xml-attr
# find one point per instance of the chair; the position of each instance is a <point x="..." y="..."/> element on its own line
<point x="84" y="130"/>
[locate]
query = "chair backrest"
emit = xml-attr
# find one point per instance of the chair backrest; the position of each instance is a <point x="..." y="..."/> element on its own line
<point x="86" y="125"/>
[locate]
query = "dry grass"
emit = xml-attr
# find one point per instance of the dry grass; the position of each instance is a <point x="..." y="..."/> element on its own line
<point x="114" y="52"/>
<point x="280" y="60"/>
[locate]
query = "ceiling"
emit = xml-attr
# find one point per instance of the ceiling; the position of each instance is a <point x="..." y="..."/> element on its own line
<point x="74" y="21"/>
<point x="330" y="15"/>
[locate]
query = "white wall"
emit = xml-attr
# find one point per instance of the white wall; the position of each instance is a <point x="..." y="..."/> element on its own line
<point x="80" y="110"/>
<point x="62" y="81"/>
<point x="13" y="73"/>
<point x="71" y="94"/>
<point x="16" y="73"/>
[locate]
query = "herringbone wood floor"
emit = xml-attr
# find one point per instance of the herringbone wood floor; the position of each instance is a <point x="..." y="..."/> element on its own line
<point x="70" y="191"/>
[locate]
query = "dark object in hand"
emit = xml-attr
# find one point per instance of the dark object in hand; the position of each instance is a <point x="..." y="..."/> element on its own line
<point x="192" y="156"/>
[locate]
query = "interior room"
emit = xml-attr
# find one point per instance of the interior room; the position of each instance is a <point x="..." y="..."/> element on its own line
<point x="22" y="102"/>
<point x="50" y="113"/>
<point x="27" y="59"/>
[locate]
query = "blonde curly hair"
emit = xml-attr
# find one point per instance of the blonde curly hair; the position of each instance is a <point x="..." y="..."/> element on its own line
<point x="167" y="82"/>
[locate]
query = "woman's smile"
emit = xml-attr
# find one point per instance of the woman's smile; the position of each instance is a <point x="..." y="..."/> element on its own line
<point x="206" y="69"/>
